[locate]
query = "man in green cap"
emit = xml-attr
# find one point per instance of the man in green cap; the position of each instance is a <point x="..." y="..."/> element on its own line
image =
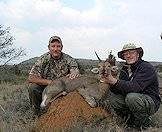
<point x="136" y="93"/>
<point x="51" y="65"/>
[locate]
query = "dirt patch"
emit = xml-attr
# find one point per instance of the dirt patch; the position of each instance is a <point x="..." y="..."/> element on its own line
<point x="66" y="111"/>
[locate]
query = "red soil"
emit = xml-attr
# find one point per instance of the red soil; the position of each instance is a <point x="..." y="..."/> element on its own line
<point x="68" y="110"/>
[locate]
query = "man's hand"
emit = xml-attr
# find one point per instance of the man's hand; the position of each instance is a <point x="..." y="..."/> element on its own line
<point x="73" y="74"/>
<point x="109" y="79"/>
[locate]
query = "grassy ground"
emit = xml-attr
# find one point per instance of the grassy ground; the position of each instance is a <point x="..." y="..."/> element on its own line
<point x="16" y="114"/>
<point x="15" y="111"/>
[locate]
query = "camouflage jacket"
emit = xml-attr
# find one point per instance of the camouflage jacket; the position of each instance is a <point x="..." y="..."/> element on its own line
<point x="48" y="68"/>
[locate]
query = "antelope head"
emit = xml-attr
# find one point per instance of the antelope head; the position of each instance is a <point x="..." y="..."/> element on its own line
<point x="106" y="67"/>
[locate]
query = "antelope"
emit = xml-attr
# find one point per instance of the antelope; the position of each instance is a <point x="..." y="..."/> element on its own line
<point x="91" y="88"/>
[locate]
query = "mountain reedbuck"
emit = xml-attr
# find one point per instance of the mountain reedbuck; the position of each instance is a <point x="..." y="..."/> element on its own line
<point x="90" y="87"/>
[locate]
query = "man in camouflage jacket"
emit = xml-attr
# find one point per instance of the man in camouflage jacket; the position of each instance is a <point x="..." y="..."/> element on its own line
<point x="51" y="65"/>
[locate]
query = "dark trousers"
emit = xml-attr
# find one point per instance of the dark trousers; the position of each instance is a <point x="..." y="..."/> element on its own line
<point x="138" y="106"/>
<point x="35" y="95"/>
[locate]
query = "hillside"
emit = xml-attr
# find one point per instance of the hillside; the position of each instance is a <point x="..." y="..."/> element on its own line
<point x="26" y="65"/>
<point x="84" y="64"/>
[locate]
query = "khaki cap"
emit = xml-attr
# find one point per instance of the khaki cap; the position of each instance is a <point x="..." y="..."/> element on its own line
<point x="130" y="46"/>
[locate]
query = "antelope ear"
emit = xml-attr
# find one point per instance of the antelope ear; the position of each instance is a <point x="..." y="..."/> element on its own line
<point x="95" y="70"/>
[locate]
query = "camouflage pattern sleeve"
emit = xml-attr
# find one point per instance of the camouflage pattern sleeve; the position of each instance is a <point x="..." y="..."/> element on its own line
<point x="73" y="65"/>
<point x="37" y="68"/>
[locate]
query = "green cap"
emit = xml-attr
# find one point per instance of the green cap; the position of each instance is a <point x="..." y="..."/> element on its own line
<point x="55" y="38"/>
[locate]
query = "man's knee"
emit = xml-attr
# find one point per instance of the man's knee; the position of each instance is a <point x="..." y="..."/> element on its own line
<point x="131" y="97"/>
<point x="35" y="89"/>
<point x="134" y="101"/>
<point x="117" y="101"/>
<point x="35" y="92"/>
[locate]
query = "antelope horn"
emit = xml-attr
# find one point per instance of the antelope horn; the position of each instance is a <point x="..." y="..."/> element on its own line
<point x="98" y="56"/>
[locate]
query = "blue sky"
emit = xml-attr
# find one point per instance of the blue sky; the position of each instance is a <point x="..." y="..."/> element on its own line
<point x="85" y="26"/>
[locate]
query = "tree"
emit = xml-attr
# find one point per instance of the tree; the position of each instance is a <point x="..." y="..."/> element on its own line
<point x="7" y="51"/>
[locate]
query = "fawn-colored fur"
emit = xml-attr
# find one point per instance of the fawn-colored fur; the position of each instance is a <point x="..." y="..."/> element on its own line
<point x="90" y="87"/>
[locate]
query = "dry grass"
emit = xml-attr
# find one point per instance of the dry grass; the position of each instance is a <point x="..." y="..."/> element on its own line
<point x="15" y="111"/>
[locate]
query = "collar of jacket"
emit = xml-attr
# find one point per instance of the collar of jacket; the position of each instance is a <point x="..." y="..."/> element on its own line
<point x="135" y="65"/>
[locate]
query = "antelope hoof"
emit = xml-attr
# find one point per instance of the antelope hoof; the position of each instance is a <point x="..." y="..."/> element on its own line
<point x="91" y="101"/>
